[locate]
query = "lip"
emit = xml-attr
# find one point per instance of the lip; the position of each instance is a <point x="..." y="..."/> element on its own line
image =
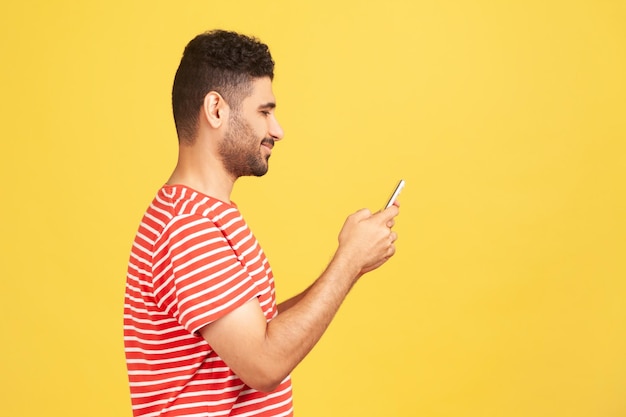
<point x="268" y="144"/>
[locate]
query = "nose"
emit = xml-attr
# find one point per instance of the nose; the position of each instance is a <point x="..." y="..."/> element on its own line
<point x="275" y="130"/>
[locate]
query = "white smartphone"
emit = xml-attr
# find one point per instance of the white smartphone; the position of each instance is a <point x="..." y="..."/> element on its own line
<point x="395" y="194"/>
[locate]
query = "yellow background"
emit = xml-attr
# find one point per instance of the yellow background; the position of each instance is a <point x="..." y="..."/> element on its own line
<point x="507" y="296"/>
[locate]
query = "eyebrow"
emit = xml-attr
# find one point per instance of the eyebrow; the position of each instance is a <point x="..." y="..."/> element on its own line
<point x="268" y="105"/>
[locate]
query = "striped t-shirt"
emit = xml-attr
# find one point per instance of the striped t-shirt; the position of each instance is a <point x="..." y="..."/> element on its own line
<point x="193" y="260"/>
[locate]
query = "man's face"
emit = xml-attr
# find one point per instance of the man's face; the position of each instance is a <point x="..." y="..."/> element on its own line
<point x="252" y="131"/>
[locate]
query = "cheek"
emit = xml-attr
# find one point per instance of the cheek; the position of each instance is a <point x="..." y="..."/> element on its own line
<point x="258" y="130"/>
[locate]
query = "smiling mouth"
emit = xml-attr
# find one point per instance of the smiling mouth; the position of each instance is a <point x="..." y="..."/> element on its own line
<point x="269" y="142"/>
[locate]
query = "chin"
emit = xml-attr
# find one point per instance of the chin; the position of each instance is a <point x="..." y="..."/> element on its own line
<point x="259" y="170"/>
<point x="260" y="173"/>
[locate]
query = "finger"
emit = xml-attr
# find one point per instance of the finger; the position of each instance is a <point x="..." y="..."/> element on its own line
<point x="362" y="214"/>
<point x="389" y="213"/>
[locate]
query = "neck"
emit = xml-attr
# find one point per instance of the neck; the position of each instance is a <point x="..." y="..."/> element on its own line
<point x="203" y="172"/>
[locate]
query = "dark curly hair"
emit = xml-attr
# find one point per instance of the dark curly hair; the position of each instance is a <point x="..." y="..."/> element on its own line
<point x="221" y="61"/>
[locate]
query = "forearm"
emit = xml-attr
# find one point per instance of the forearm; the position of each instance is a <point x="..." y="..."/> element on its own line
<point x="287" y="304"/>
<point x="298" y="327"/>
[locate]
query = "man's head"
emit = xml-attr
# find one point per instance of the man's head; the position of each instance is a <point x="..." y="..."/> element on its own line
<point x="220" y="61"/>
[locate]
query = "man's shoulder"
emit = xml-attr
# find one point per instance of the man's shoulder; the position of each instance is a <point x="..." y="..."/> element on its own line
<point x="177" y="207"/>
<point x="182" y="201"/>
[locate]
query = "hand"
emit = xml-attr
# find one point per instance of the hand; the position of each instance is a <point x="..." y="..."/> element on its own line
<point x="366" y="240"/>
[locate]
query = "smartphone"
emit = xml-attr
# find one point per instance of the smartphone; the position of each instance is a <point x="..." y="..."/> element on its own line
<point x="395" y="194"/>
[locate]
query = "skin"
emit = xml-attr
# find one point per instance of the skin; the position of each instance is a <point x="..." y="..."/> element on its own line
<point x="263" y="354"/>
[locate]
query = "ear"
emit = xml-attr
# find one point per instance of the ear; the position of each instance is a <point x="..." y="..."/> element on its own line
<point x="215" y="109"/>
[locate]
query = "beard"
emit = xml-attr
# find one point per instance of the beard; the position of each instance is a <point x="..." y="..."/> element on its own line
<point x="241" y="149"/>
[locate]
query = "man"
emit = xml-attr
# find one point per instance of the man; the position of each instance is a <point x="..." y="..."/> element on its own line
<point x="203" y="334"/>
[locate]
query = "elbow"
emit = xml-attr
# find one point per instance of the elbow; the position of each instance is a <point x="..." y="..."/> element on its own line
<point x="266" y="386"/>
<point x="264" y="381"/>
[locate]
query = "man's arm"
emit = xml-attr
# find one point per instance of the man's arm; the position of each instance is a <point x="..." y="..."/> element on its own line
<point x="264" y="353"/>
<point x="287" y="304"/>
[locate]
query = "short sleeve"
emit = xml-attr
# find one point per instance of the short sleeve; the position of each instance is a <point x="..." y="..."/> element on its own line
<point x="197" y="275"/>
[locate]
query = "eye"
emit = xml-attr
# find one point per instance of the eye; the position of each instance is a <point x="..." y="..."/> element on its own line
<point x="265" y="112"/>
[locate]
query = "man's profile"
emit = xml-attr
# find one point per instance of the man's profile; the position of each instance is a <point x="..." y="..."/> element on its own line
<point x="203" y="333"/>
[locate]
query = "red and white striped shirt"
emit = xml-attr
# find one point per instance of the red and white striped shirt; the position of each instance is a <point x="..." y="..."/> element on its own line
<point x="193" y="260"/>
